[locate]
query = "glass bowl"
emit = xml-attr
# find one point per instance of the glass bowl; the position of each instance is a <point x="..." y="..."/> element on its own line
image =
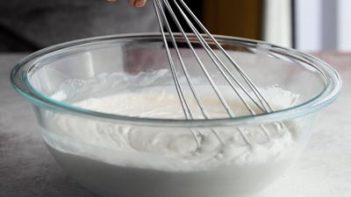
<point x="120" y="154"/>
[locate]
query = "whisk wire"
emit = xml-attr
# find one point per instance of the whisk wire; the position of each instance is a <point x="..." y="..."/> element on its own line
<point x="243" y="88"/>
<point x="185" y="107"/>
<point x="256" y="91"/>
<point x="200" y="62"/>
<point x="190" y="83"/>
<point x="220" y="65"/>
<point x="172" y="67"/>
<point x="265" y="105"/>
<point x="184" y="68"/>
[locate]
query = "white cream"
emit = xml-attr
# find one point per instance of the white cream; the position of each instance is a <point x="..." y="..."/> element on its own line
<point x="176" y="149"/>
<point x="247" y="161"/>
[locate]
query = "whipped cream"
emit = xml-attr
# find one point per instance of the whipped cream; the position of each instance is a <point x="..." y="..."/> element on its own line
<point x="176" y="149"/>
<point x="117" y="158"/>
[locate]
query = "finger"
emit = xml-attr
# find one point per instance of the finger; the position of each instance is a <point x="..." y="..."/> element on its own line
<point x="137" y="3"/>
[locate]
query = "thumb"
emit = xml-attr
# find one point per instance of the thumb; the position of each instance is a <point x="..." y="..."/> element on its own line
<point x="137" y="3"/>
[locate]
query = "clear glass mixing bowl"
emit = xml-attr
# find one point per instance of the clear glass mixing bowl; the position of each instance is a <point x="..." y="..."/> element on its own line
<point x="87" y="143"/>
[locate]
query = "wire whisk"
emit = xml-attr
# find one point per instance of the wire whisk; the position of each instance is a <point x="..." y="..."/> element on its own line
<point x="251" y="97"/>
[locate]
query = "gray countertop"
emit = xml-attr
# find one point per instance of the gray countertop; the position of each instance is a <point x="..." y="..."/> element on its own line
<point x="26" y="167"/>
<point x="28" y="170"/>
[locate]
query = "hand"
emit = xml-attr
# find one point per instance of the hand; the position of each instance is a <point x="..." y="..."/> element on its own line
<point x="135" y="3"/>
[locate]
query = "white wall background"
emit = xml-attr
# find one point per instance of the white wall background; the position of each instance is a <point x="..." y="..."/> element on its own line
<point x="277" y="22"/>
<point x="319" y="24"/>
<point x="323" y="25"/>
<point x="344" y="34"/>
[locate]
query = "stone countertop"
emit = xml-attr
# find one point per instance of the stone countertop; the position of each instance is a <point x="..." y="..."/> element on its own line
<point x="26" y="167"/>
<point x="324" y="168"/>
<point x="28" y="170"/>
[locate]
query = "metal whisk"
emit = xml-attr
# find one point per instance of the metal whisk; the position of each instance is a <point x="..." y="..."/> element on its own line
<point x="248" y="93"/>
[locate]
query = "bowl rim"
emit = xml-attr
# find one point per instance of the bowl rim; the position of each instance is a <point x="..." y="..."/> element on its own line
<point x="21" y="84"/>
